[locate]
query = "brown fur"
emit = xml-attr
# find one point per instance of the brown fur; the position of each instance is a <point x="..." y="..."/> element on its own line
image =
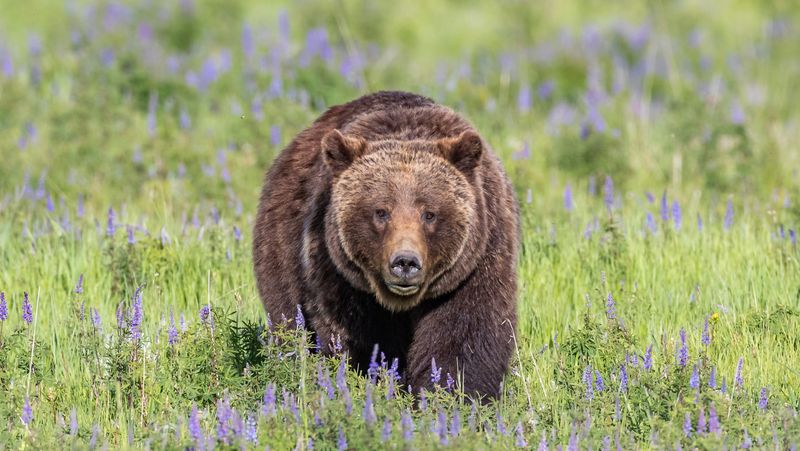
<point x="385" y="173"/>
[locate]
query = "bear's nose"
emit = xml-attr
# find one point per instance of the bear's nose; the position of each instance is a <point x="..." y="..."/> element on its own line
<point x="405" y="264"/>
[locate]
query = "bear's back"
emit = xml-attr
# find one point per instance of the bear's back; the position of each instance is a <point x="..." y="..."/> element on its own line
<point x="340" y="115"/>
<point x="393" y="115"/>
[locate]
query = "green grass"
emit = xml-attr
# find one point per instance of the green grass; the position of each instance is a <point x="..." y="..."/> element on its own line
<point x="673" y="130"/>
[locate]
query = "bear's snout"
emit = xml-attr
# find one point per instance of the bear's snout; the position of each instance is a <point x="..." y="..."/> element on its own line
<point x="406" y="272"/>
<point x="405" y="264"/>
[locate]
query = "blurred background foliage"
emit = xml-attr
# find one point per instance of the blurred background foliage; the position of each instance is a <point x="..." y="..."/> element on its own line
<point x="696" y="95"/>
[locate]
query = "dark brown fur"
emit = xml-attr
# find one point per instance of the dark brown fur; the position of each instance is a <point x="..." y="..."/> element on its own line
<point x="317" y="245"/>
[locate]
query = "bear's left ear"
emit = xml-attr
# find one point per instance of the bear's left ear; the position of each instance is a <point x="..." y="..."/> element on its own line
<point x="340" y="151"/>
<point x="463" y="151"/>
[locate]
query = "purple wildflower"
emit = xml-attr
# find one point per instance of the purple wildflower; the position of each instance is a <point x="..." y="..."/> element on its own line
<point x="27" y="312"/>
<point x="568" y="203"/>
<point x="501" y="425"/>
<point x="79" y="285"/>
<point x="8" y="65"/>
<point x="724" y="387"/>
<point x="729" y="215"/>
<point x="368" y="414"/>
<point x="608" y="193"/>
<point x="328" y="385"/>
<point x="348" y="400"/>
<point x="592" y="188"/>
<point x="237" y="233"/>
<point x="248" y="46"/>
<point x="131" y="237"/>
<point x="687" y="425"/>
<point x="165" y="240"/>
<point x="683" y="351"/>
<point x="648" y="358"/>
<point x="701" y="421"/>
<point x="599" y="385"/>
<point x="650" y="222"/>
<point x="676" y="214"/>
<point x="185" y="119"/>
<point x="207" y="316"/>
<point x="623" y="378"/>
<point x="455" y="423"/>
<point x="195" y="431"/>
<point x="136" y="316"/>
<point x="436" y="373"/>
<point x="762" y="399"/>
<point x="341" y="442"/>
<point x="390" y="388"/>
<point x="275" y="135"/>
<point x="3" y="307"/>
<point x="386" y="431"/>
<point x="251" y="430"/>
<point x="611" y="310"/>
<point x="450" y="382"/>
<point x="40" y="191"/>
<point x="664" y="208"/>
<point x="747" y="442"/>
<point x="587" y="381"/>
<point x="441" y="428"/>
<point x="110" y="226"/>
<point x="713" y="420"/>
<point x="224" y="415"/>
<point x="97" y="322"/>
<point x="49" y="203"/>
<point x="520" y="436"/>
<point x="341" y="372"/>
<point x="27" y="412"/>
<point x="545" y="89"/>
<point x="172" y="332"/>
<point x="706" y="337"/>
<point x="407" y="424"/>
<point x="699" y="223"/>
<point x="299" y="319"/>
<point x="73" y="422"/>
<point x="572" y="444"/>
<point x="694" y="381"/>
<point x="120" y="317"/>
<point x="738" y="380"/>
<point x="93" y="438"/>
<point x="374" y="367"/>
<point x="543" y="442"/>
<point x="793" y="237"/>
<point x="712" y="378"/>
<point x="737" y="114"/>
<point x="268" y="403"/>
<point x="524" y="99"/>
<point x="294" y="408"/>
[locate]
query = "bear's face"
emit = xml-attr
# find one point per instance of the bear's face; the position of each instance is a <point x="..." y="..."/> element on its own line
<point x="402" y="210"/>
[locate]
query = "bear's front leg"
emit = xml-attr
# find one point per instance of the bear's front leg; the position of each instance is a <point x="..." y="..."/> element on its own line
<point x="470" y="333"/>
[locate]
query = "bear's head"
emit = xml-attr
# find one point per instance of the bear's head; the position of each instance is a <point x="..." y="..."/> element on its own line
<point x="402" y="213"/>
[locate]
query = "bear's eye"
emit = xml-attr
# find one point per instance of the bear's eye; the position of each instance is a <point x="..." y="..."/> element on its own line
<point x="381" y="215"/>
<point x="429" y="216"/>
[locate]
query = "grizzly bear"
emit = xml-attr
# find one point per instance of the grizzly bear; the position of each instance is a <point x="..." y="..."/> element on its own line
<point x="390" y="221"/>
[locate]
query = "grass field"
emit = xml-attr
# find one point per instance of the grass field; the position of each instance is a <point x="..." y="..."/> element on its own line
<point x="653" y="147"/>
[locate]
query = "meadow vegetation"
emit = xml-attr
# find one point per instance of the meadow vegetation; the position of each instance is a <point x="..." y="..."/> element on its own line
<point x="652" y="145"/>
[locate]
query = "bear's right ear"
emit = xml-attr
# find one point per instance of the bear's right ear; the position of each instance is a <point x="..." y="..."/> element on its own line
<point x="340" y="151"/>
